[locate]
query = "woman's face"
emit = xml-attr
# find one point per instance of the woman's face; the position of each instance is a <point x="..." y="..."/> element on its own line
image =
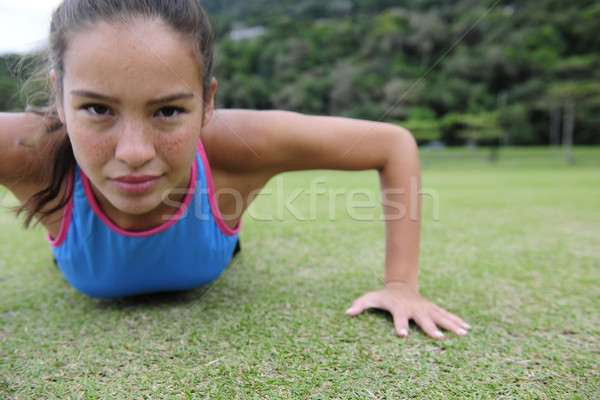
<point x="132" y="103"/>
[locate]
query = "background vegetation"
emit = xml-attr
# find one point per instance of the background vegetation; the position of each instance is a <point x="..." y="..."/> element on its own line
<point x="494" y="71"/>
<point x="518" y="71"/>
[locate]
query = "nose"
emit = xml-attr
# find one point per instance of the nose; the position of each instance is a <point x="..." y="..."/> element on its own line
<point x="135" y="146"/>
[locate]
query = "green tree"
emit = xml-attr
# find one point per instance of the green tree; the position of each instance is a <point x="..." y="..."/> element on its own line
<point x="10" y="99"/>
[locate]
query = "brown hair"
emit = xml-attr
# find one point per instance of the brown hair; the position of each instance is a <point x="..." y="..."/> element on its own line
<point x="186" y="17"/>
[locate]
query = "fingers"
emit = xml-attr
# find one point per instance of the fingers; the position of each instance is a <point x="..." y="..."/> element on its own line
<point x="449" y="321"/>
<point x="400" y="315"/>
<point x="429" y="326"/>
<point x="427" y="315"/>
<point x="401" y="324"/>
<point x="437" y="316"/>
<point x="361" y="304"/>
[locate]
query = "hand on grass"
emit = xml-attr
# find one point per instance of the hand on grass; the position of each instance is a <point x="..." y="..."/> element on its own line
<point x="404" y="303"/>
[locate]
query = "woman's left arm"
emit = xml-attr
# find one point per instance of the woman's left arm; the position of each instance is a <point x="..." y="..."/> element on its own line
<point x="276" y="141"/>
<point x="399" y="171"/>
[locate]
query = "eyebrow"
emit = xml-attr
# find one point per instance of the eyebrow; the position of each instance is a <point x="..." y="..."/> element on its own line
<point x="92" y="95"/>
<point x="98" y="96"/>
<point x="173" y="97"/>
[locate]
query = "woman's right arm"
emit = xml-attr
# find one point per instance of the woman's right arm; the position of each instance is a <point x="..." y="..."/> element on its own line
<point x="24" y="151"/>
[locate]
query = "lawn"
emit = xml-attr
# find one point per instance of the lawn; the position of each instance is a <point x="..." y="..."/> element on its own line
<point x="511" y="246"/>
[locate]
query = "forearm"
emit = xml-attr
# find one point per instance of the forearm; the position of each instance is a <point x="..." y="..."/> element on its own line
<point x="401" y="186"/>
<point x="401" y="192"/>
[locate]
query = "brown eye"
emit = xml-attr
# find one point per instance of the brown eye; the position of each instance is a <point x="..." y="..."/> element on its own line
<point x="98" y="109"/>
<point x="169" y="112"/>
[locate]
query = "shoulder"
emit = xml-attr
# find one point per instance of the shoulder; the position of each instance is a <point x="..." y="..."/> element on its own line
<point x="235" y="139"/>
<point x="278" y="141"/>
<point x="28" y="143"/>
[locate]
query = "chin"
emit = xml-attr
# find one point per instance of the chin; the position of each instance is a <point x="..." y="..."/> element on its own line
<point x="139" y="207"/>
<point x="135" y="205"/>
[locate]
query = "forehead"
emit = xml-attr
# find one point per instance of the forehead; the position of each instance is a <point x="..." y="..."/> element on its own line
<point x="145" y="54"/>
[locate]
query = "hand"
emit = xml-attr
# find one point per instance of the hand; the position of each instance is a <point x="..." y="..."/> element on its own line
<point x="405" y="303"/>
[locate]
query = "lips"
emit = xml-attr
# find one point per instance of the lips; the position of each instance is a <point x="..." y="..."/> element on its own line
<point x="136" y="184"/>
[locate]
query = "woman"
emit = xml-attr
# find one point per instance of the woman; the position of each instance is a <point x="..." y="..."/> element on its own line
<point x="131" y="152"/>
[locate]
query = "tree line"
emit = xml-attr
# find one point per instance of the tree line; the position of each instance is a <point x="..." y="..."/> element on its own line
<point x="491" y="72"/>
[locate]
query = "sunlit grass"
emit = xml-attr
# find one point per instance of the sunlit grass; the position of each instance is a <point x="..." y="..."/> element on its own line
<point x="511" y="246"/>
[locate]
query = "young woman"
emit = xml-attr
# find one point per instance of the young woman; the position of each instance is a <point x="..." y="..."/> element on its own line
<point x="123" y="168"/>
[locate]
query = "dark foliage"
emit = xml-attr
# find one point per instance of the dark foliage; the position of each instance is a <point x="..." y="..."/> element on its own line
<point x="486" y="71"/>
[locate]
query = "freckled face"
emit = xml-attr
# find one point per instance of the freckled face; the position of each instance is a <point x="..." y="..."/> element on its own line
<point x="132" y="103"/>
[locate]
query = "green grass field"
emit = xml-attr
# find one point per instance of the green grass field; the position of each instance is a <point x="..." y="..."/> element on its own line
<point x="512" y="246"/>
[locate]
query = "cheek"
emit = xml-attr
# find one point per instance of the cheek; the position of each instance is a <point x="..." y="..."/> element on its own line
<point x="179" y="149"/>
<point x="90" y="150"/>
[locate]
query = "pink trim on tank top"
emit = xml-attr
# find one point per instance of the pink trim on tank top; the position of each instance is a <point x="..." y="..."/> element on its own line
<point x="161" y="228"/>
<point x="68" y="210"/>
<point x="66" y="219"/>
<point x="214" y="207"/>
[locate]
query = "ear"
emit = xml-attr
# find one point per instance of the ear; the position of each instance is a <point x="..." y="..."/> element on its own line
<point x="209" y="105"/>
<point x="59" y="98"/>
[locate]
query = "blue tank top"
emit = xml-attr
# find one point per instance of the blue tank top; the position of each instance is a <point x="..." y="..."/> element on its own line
<point x="189" y="250"/>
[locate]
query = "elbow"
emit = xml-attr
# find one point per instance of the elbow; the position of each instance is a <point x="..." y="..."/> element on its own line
<point x="406" y="135"/>
<point x="402" y="152"/>
<point x="403" y="139"/>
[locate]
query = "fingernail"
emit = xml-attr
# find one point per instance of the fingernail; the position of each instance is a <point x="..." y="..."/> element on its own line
<point x="439" y="335"/>
<point x="467" y="326"/>
<point x="461" y="332"/>
<point x="348" y="311"/>
<point x="403" y="333"/>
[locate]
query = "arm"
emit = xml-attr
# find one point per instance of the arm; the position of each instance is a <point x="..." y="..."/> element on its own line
<point x="274" y="142"/>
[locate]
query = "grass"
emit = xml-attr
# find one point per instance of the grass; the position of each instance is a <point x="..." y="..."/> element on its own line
<point x="511" y="246"/>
